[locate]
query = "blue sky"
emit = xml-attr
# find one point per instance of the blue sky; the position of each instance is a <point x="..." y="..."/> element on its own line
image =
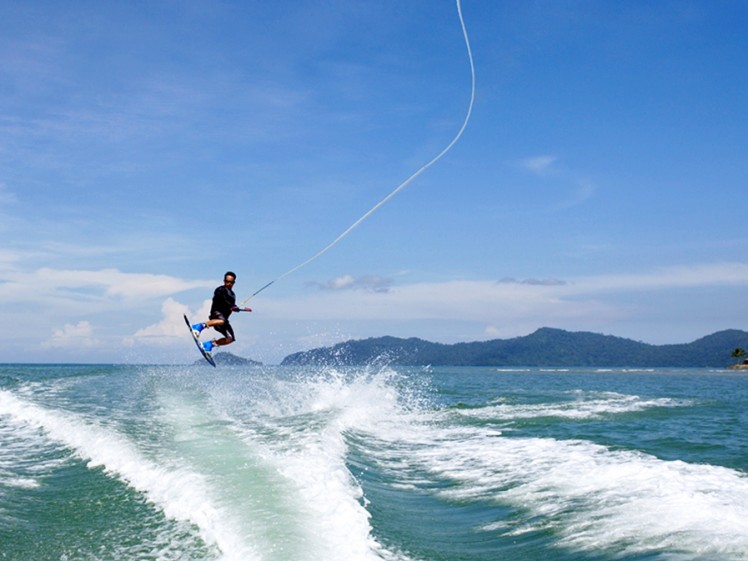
<point x="147" y="147"/>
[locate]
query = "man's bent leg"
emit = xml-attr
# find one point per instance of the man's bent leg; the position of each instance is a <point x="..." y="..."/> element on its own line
<point x="217" y="323"/>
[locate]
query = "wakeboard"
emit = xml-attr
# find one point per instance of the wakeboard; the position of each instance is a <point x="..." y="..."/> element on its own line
<point x="203" y="352"/>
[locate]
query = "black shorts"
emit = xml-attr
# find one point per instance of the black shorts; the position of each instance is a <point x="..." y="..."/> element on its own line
<point x="225" y="329"/>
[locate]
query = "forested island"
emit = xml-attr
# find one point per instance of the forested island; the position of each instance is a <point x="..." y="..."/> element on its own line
<point x="229" y="359"/>
<point x="544" y="347"/>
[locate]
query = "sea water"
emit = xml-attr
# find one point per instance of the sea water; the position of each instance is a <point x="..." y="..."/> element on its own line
<point x="371" y="463"/>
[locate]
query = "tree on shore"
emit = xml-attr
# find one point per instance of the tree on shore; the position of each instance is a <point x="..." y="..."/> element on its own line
<point x="738" y="353"/>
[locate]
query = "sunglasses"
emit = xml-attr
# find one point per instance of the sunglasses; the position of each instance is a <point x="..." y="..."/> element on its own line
<point x="226" y="281"/>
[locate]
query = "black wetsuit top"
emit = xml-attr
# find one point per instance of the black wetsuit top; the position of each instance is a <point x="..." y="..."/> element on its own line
<point x="224" y="300"/>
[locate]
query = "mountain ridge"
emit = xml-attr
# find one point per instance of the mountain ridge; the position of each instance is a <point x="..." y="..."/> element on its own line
<point x="545" y="347"/>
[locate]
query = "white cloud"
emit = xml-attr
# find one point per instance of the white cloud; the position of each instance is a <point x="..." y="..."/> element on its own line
<point x="508" y="300"/>
<point x="440" y="311"/>
<point x="579" y="189"/>
<point x="106" y="284"/>
<point x="115" y="283"/>
<point x="691" y="276"/>
<point x="171" y="327"/>
<point x="540" y="165"/>
<point x="172" y="324"/>
<point x="78" y="298"/>
<point x="535" y="282"/>
<point x="80" y="334"/>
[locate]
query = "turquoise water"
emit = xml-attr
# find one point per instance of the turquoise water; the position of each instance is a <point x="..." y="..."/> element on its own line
<point x="286" y="464"/>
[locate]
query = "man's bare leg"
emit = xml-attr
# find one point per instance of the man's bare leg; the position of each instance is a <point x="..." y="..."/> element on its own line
<point x="223" y="340"/>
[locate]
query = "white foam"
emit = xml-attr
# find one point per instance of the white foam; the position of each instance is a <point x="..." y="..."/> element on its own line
<point x="312" y="420"/>
<point x="180" y="493"/>
<point x="594" y="498"/>
<point x="260" y="501"/>
<point x="585" y="405"/>
<point x="20" y="482"/>
<point x="277" y="449"/>
<point x="25" y="457"/>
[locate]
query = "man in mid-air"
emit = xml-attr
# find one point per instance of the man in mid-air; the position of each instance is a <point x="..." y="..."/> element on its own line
<point x="224" y="303"/>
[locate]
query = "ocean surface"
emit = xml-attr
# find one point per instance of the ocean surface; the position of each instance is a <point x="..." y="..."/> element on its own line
<point x="379" y="463"/>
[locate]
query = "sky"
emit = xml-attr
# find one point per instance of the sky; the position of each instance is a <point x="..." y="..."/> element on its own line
<point x="148" y="147"/>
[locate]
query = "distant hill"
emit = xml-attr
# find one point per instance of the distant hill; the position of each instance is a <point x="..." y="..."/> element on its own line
<point x="544" y="347"/>
<point x="228" y="359"/>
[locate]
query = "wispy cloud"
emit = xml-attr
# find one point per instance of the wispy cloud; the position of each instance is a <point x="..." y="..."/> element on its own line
<point x="533" y="282"/>
<point x="484" y="300"/>
<point x="117" y="284"/>
<point x="581" y="192"/>
<point x="691" y="276"/>
<point x="539" y="165"/>
<point x="105" y="286"/>
<point x="370" y="283"/>
<point x="574" y="188"/>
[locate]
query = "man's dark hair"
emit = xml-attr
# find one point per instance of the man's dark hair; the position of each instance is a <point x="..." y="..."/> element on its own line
<point x="229" y="274"/>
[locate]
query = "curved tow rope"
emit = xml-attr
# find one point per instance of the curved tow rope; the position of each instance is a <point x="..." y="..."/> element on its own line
<point x="404" y="183"/>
